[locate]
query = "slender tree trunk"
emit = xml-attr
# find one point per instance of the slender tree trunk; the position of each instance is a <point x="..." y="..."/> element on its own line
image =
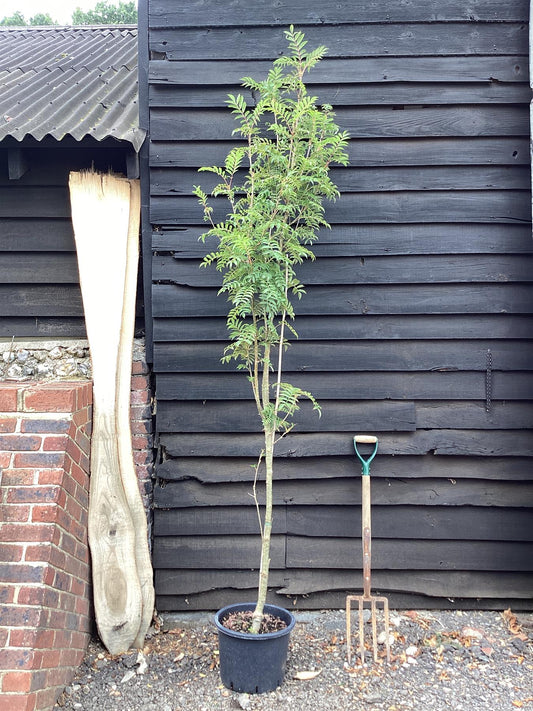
<point x="266" y="532"/>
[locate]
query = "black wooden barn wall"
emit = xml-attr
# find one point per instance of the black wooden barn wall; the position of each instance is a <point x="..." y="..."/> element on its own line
<point x="39" y="283"/>
<point x="416" y="326"/>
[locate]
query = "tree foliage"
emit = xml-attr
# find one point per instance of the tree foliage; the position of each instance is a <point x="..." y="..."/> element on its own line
<point x="274" y="182"/>
<point x="17" y="19"/>
<point x="104" y="13"/>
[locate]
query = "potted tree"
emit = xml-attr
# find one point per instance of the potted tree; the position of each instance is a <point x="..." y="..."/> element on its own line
<point x="274" y="181"/>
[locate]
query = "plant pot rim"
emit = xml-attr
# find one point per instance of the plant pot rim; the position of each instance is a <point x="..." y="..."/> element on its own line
<point x="271" y="609"/>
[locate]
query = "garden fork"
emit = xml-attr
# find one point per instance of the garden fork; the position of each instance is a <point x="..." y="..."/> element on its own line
<point x="366" y="597"/>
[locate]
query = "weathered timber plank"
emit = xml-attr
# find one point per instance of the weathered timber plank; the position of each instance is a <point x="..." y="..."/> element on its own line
<point x="369" y="270"/>
<point x="216" y="552"/>
<point x="39" y="268"/>
<point x="216" y="599"/>
<point x="359" y="355"/>
<point x="472" y="69"/>
<point x="437" y="523"/>
<point x="334" y="492"/>
<point x="34" y="202"/>
<point x="170" y="581"/>
<point x="28" y="327"/>
<point x="48" y="236"/>
<point x="368" y="152"/>
<point x="219" y="520"/>
<point x="481" y="206"/>
<point x="474" y="415"/>
<point x="398" y="95"/>
<point x="333" y="327"/>
<point x="215" y="469"/>
<point x="171" y="300"/>
<point x="29" y="300"/>
<point x="366" y="240"/>
<point x="448" y="385"/>
<point x="178" y="124"/>
<point x="453" y="442"/>
<point x="362" y="40"/>
<point x="180" y="181"/>
<point x="416" y="555"/>
<point x="242" y="416"/>
<point x="168" y="13"/>
<point x="436" y="583"/>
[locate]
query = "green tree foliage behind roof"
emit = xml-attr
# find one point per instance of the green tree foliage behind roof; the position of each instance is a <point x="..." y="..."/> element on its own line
<point x="125" y="13"/>
<point x="17" y="19"/>
<point x="104" y="13"/>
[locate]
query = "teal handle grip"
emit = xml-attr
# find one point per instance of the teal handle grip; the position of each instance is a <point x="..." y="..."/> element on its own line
<point x="365" y="462"/>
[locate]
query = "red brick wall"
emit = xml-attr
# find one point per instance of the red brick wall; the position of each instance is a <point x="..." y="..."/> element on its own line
<point x="44" y="561"/>
<point x="45" y="614"/>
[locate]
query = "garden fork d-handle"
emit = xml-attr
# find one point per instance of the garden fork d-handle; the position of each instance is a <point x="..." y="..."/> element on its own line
<point x="365" y="439"/>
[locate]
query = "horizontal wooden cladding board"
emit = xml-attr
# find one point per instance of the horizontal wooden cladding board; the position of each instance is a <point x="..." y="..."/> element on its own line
<point x="438" y="299"/>
<point x="347" y="416"/>
<point x="368" y="152"/>
<point x="216" y="552"/>
<point x="431" y="206"/>
<point x="359" y="356"/>
<point x="447" y="385"/>
<point x="29" y="300"/>
<point x="34" y="202"/>
<point x="22" y="235"/>
<point x="364" y="40"/>
<point x="216" y="469"/>
<point x="335" y="600"/>
<point x="436" y="523"/>
<point x="30" y="327"/>
<point x="452" y="442"/>
<point x="440" y="69"/>
<point x="239" y="416"/>
<point x="435" y="583"/>
<point x="399" y="95"/>
<point x="417" y="555"/>
<point x="38" y="268"/>
<point x="168" y="13"/>
<point x="180" y="181"/>
<point x="377" y="240"/>
<point x="175" y="124"/>
<point x="450" y="584"/>
<point x="301" y="552"/>
<point x="397" y="269"/>
<point x="333" y="492"/>
<point x="412" y="327"/>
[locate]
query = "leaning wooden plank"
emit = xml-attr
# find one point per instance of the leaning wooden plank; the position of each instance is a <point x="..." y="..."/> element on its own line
<point x="100" y="213"/>
<point x="127" y="466"/>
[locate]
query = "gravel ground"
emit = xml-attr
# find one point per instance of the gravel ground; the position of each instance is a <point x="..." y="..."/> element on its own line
<point x="461" y="660"/>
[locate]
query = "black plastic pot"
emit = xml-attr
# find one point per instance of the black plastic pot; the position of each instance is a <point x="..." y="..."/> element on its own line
<point x="253" y="663"/>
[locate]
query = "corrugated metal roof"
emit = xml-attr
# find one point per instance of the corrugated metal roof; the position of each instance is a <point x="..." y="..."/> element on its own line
<point x="78" y="81"/>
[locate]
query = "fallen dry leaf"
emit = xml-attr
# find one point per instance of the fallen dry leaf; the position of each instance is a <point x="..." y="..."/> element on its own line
<point x="306" y="675"/>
